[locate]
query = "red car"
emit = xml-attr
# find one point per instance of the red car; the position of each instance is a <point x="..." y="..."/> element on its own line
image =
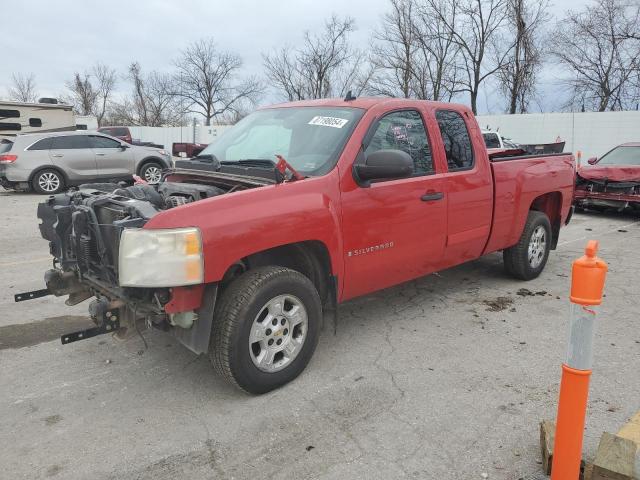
<point x="123" y="133"/>
<point x="611" y="181"/>
<point x="243" y="260"/>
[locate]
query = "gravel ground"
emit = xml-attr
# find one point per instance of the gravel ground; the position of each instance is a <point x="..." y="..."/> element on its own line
<point x="445" y="377"/>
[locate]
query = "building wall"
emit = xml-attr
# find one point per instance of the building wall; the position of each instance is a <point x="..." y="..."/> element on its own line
<point x="592" y="133"/>
<point x="168" y="135"/>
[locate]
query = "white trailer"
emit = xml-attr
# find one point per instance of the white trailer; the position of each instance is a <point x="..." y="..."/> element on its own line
<point x="19" y="117"/>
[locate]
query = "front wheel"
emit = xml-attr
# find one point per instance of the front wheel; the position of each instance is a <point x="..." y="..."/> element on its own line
<point x="266" y="328"/>
<point x="526" y="259"/>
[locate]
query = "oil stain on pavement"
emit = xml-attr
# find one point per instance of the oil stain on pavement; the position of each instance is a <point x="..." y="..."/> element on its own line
<point x="29" y="334"/>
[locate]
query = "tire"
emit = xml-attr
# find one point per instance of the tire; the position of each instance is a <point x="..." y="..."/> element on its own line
<point x="519" y="262"/>
<point x="48" y="182"/>
<point x="246" y="310"/>
<point x="151" y="172"/>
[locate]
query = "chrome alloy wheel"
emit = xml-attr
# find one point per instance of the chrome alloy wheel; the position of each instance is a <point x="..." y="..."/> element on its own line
<point x="278" y="333"/>
<point x="537" y="246"/>
<point x="152" y="174"/>
<point x="49" y="182"/>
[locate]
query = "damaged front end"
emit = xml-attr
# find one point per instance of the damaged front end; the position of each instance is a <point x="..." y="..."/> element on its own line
<point x="92" y="229"/>
<point x="603" y="193"/>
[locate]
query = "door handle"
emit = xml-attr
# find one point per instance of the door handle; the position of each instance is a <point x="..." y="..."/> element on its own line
<point x="57" y="155"/>
<point x="429" y="197"/>
<point x="101" y="154"/>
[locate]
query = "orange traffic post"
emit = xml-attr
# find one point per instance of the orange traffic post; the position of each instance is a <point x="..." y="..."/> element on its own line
<point x="587" y="282"/>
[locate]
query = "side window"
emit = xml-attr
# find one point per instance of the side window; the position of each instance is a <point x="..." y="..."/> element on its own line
<point x="35" y="122"/>
<point x="44" y="144"/>
<point x="457" y="143"/>
<point x="103" y="142"/>
<point x="404" y="131"/>
<point x="69" y="142"/>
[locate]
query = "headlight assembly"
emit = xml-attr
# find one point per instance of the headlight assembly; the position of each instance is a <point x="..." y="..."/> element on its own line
<point x="160" y="258"/>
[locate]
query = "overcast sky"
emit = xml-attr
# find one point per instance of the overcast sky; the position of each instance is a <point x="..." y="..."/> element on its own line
<point x="54" y="38"/>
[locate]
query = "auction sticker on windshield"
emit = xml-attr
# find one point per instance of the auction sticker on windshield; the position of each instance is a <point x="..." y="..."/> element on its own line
<point x="334" y="122"/>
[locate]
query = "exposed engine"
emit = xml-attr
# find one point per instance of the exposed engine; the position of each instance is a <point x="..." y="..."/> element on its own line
<point x="83" y="226"/>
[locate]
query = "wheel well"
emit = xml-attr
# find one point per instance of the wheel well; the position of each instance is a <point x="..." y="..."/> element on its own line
<point x="147" y="161"/>
<point x="311" y="258"/>
<point x="551" y="204"/>
<point x="49" y="167"/>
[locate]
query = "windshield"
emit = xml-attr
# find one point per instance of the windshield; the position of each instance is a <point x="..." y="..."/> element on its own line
<point x="309" y="138"/>
<point x="622" y="156"/>
<point x="491" y="140"/>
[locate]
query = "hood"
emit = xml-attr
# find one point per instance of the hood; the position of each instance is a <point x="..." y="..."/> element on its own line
<point x="612" y="173"/>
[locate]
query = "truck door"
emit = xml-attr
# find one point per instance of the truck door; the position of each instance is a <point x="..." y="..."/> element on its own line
<point x="394" y="230"/>
<point x="72" y="154"/>
<point x="112" y="160"/>
<point x="469" y="186"/>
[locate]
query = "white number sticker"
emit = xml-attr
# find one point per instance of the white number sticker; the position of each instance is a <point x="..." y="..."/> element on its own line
<point x="334" y="122"/>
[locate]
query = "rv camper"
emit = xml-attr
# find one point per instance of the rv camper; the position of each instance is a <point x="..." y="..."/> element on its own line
<point x="45" y="116"/>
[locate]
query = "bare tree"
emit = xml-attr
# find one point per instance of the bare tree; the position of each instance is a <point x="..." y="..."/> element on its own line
<point x="23" y="88"/>
<point x="91" y="92"/>
<point x="106" y="82"/>
<point x="83" y="95"/>
<point x="152" y="103"/>
<point x="602" y="53"/>
<point x="394" y="51"/>
<point x="477" y="30"/>
<point x="323" y="66"/>
<point x="525" y="20"/>
<point x="208" y="80"/>
<point x="415" y="53"/>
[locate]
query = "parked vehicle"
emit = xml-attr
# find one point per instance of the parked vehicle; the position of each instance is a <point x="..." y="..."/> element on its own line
<point x="188" y="150"/>
<point x="495" y="141"/>
<point x="123" y="133"/>
<point x="611" y="181"/>
<point x="242" y="261"/>
<point x="45" y="116"/>
<point x="50" y="162"/>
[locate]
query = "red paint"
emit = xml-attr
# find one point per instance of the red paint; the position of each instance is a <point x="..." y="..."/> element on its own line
<point x="184" y="299"/>
<point x="393" y="235"/>
<point x="613" y="173"/>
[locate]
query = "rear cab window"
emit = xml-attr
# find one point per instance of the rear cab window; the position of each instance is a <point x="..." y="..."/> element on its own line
<point x="404" y="130"/>
<point x="491" y="140"/>
<point x="457" y="142"/>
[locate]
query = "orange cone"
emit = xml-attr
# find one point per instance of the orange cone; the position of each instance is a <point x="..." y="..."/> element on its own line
<point x="587" y="283"/>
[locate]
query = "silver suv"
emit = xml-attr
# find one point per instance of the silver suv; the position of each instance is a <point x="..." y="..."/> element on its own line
<point x="50" y="162"/>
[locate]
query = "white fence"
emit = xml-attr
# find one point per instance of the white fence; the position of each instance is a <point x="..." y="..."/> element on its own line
<point x="168" y="135"/>
<point x="592" y="133"/>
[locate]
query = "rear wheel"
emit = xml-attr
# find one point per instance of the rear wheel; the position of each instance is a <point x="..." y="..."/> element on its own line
<point x="266" y="328"/>
<point x="151" y="172"/>
<point x="48" y="182"/>
<point x="527" y="258"/>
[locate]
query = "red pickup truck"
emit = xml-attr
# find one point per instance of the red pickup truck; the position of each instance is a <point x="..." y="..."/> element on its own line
<point x="302" y="206"/>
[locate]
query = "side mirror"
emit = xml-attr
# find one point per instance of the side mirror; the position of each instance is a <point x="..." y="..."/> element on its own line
<point x="592" y="160"/>
<point x="124" y="146"/>
<point x="383" y="164"/>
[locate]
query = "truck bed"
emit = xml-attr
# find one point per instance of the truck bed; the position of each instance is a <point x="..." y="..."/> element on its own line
<point x="522" y="180"/>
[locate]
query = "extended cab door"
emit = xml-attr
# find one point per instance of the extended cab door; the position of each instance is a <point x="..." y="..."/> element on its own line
<point x="469" y="185"/>
<point x="394" y="230"/>
<point x="112" y="159"/>
<point x="72" y="154"/>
